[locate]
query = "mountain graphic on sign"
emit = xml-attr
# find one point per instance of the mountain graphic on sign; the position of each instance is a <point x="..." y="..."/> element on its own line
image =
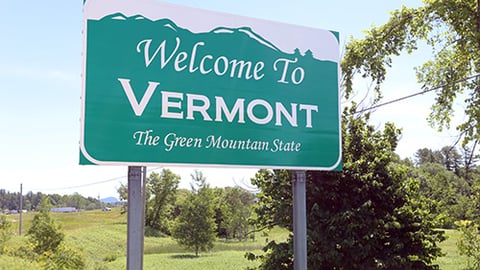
<point x="245" y="30"/>
<point x="167" y="23"/>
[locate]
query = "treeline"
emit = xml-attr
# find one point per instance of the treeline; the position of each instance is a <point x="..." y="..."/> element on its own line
<point x="195" y="217"/>
<point x="450" y="177"/>
<point x="31" y="201"/>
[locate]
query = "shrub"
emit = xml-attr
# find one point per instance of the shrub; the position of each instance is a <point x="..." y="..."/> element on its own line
<point x="63" y="259"/>
<point x="110" y="258"/>
<point x="469" y="243"/>
<point x="5" y="234"/>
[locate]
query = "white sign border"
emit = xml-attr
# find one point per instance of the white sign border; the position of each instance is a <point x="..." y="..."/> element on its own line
<point x="201" y="20"/>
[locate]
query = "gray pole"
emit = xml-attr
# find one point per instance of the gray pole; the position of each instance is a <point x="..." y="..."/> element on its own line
<point x="299" y="221"/>
<point x="21" y="210"/>
<point x="135" y="218"/>
<point x="144" y="202"/>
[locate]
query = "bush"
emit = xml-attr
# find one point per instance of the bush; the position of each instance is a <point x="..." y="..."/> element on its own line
<point x="44" y="234"/>
<point x="5" y="234"/>
<point x="151" y="232"/>
<point x="24" y="252"/>
<point x="63" y="259"/>
<point x="469" y="243"/>
<point x="110" y="258"/>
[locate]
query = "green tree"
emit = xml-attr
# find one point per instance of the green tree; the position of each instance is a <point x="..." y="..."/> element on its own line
<point x="451" y="182"/>
<point x="426" y="155"/>
<point x="222" y="212"/>
<point x="469" y="243"/>
<point x="235" y="205"/>
<point x="369" y="216"/>
<point x="194" y="227"/>
<point x="445" y="187"/>
<point x="44" y="234"/>
<point x="469" y="161"/>
<point x="160" y="194"/>
<point x="275" y="199"/>
<point x="122" y="191"/>
<point x="451" y="158"/>
<point x="439" y="183"/>
<point x="181" y="196"/>
<point x="451" y="29"/>
<point x="47" y="241"/>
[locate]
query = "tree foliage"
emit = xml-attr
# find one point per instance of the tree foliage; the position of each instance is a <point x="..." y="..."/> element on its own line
<point x="31" y="201"/>
<point x="44" y="234"/>
<point x="47" y="242"/>
<point x="63" y="259"/>
<point x="122" y="191"/>
<point x="5" y="233"/>
<point x="195" y="227"/>
<point x="160" y="199"/>
<point x="160" y="193"/>
<point x="233" y="212"/>
<point x="275" y="198"/>
<point x="469" y="243"/>
<point x="370" y="216"/>
<point x="451" y="28"/>
<point x="449" y="177"/>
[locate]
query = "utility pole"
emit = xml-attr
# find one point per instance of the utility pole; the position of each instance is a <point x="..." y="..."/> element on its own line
<point x="21" y="210"/>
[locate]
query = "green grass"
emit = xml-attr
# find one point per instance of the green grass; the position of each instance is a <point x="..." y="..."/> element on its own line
<point x="452" y="259"/>
<point x="220" y="260"/>
<point x="102" y="237"/>
<point x="15" y="263"/>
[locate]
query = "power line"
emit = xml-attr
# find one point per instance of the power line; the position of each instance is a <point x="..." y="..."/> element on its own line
<point x="84" y="185"/>
<point x="414" y="94"/>
<point x="90" y="184"/>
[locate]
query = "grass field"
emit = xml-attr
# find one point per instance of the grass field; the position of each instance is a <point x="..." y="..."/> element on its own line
<point x="452" y="259"/>
<point x="101" y="237"/>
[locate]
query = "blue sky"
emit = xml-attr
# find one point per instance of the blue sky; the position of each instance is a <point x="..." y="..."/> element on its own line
<point x="41" y="64"/>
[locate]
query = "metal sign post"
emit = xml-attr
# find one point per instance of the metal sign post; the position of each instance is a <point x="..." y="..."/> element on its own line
<point x="299" y="221"/>
<point x="135" y="222"/>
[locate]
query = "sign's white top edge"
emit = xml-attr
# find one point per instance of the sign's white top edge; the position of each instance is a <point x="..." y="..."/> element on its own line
<point x="323" y="43"/>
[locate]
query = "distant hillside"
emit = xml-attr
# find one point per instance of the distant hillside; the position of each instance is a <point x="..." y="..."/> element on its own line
<point x="109" y="200"/>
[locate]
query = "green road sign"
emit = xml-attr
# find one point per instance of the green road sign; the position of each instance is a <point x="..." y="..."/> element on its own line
<point x="165" y="84"/>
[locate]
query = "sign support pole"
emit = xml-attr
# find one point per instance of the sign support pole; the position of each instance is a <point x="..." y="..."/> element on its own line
<point x="135" y="222"/>
<point x="299" y="221"/>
